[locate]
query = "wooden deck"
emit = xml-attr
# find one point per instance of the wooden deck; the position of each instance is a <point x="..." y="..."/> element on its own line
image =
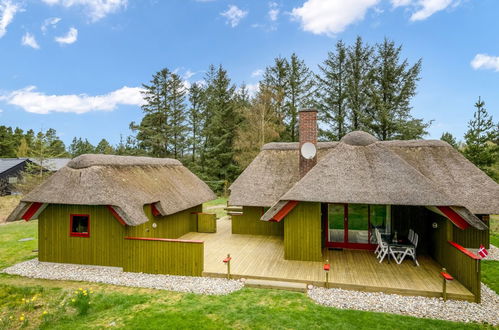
<point x="262" y="257"/>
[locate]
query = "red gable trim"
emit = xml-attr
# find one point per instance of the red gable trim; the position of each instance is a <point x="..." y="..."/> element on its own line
<point x="116" y="215"/>
<point x="454" y="217"/>
<point x="164" y="240"/>
<point x="33" y="208"/>
<point x="155" y="210"/>
<point x="284" y="211"/>
<point x="464" y="250"/>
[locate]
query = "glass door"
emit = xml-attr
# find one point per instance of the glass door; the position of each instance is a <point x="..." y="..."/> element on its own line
<point x="349" y="226"/>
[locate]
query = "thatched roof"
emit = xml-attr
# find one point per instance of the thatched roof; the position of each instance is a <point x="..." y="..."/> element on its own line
<point x="361" y="169"/>
<point x="124" y="182"/>
<point x="271" y="174"/>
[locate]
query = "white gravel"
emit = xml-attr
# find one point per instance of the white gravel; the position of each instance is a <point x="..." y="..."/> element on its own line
<point x="113" y="275"/>
<point x="435" y="308"/>
<point x="493" y="253"/>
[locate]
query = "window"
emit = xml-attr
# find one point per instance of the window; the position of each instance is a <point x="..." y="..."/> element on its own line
<point x="80" y="225"/>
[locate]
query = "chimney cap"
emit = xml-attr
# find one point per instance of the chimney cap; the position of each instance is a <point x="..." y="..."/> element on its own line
<point x="308" y="110"/>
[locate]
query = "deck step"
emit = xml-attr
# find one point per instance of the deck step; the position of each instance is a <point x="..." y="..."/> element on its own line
<point x="279" y="285"/>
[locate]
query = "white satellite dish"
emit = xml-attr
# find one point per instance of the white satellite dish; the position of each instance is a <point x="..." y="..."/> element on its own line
<point x="308" y="150"/>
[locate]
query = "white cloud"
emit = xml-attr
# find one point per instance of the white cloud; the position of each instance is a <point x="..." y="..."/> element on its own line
<point x="97" y="9"/>
<point x="188" y="74"/>
<point x="234" y="15"/>
<point x="69" y="38"/>
<point x="257" y="73"/>
<point x="484" y="61"/>
<point x="52" y="21"/>
<point x="273" y="11"/>
<point x="8" y="10"/>
<point x="428" y="8"/>
<point x="330" y="17"/>
<point x="30" y="41"/>
<point x="401" y="3"/>
<point x="36" y="102"/>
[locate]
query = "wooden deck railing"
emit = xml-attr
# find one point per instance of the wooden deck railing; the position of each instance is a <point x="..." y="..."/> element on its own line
<point x="465" y="266"/>
<point x="163" y="256"/>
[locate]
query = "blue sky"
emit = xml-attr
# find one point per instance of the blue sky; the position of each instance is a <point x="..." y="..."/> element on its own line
<point x="77" y="65"/>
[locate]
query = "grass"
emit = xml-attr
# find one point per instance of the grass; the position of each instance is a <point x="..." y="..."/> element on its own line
<point x="7" y="204"/>
<point x="216" y="206"/>
<point x="136" y="308"/>
<point x="494" y="230"/>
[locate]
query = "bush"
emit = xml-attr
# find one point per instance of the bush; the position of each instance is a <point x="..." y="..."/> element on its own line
<point x="81" y="301"/>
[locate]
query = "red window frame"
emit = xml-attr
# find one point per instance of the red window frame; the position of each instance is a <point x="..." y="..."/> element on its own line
<point x="73" y="234"/>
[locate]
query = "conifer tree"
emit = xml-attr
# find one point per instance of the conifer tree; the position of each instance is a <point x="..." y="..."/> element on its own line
<point x="332" y="93"/>
<point x="79" y="147"/>
<point x="275" y="79"/>
<point x="480" y="148"/>
<point x="177" y="109"/>
<point x="23" y="149"/>
<point x="196" y="118"/>
<point x="104" y="147"/>
<point x="450" y="139"/>
<point x="221" y="123"/>
<point x="392" y="85"/>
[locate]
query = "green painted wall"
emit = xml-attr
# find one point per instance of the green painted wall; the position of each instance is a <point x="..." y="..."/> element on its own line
<point x="472" y="237"/>
<point x="161" y="257"/>
<point x="104" y="246"/>
<point x="302" y="233"/>
<point x="207" y="223"/>
<point x="170" y="226"/>
<point x="465" y="269"/>
<point x="249" y="223"/>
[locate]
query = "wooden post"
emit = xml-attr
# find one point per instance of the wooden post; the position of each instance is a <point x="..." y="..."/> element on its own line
<point x="446" y="277"/>
<point x="327" y="267"/>
<point x="227" y="261"/>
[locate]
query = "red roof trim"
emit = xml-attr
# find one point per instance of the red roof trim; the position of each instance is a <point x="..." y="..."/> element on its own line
<point x="164" y="240"/>
<point x="155" y="210"/>
<point x="116" y="215"/>
<point x="284" y="211"/>
<point x="454" y="217"/>
<point x="33" y="208"/>
<point x="464" y="250"/>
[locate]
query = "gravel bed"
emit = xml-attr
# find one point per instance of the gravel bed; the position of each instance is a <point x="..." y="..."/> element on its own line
<point x="435" y="308"/>
<point x="493" y="253"/>
<point x="113" y="275"/>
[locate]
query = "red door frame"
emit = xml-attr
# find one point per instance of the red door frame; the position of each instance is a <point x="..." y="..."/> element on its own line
<point x="346" y="244"/>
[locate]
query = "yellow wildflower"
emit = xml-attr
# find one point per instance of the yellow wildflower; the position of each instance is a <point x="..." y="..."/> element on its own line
<point x="76" y="292"/>
<point x="45" y="312"/>
<point x="11" y="317"/>
<point x="91" y="291"/>
<point x="21" y="318"/>
<point x="80" y="289"/>
<point x="73" y="300"/>
<point x="33" y="299"/>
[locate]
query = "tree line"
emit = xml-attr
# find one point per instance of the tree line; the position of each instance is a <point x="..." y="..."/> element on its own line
<point x="216" y="127"/>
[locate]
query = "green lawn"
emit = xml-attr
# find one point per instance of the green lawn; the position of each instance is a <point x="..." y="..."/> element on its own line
<point x="216" y="206"/>
<point x="135" y="308"/>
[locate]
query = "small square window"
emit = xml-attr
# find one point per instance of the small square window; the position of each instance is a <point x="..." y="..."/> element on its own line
<point x="80" y="225"/>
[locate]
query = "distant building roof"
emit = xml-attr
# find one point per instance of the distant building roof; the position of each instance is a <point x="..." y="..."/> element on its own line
<point x="51" y="164"/>
<point x="8" y="163"/>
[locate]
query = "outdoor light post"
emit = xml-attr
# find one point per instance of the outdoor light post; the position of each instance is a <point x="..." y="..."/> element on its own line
<point x="327" y="267"/>
<point x="227" y="261"/>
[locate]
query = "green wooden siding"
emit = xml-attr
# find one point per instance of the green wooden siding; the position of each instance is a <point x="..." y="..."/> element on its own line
<point x="170" y="226"/>
<point x="302" y="233"/>
<point x="249" y="223"/>
<point x="471" y="237"/>
<point x="104" y="246"/>
<point x="465" y="269"/>
<point x="164" y="257"/>
<point x="207" y="223"/>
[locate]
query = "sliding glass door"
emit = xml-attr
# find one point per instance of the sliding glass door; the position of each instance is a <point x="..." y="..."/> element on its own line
<point x="349" y="226"/>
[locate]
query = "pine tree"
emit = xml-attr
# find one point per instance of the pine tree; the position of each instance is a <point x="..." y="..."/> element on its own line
<point x="79" y="147"/>
<point x="7" y="143"/>
<point x="479" y="146"/>
<point x="392" y="85"/>
<point x="104" y="147"/>
<point x="299" y="93"/>
<point x="260" y="125"/>
<point x="196" y="118"/>
<point x="221" y="123"/>
<point x="359" y="64"/>
<point x="177" y="109"/>
<point x="56" y="145"/>
<point x="450" y="139"/>
<point x="23" y="149"/>
<point x="332" y="93"/>
<point x="275" y="80"/>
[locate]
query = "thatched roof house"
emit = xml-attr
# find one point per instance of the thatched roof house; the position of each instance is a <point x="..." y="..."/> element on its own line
<point x="361" y="169"/>
<point x="123" y="182"/>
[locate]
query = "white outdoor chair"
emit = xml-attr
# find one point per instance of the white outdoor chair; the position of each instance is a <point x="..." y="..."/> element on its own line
<point x="411" y="235"/>
<point x="383" y="248"/>
<point x="400" y="252"/>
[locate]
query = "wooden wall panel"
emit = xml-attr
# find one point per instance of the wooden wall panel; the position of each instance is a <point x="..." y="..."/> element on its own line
<point x="471" y="237"/>
<point x="170" y="226"/>
<point x="207" y="223"/>
<point x="465" y="269"/>
<point x="249" y="223"/>
<point x="103" y="247"/>
<point x="164" y="257"/>
<point x="302" y="233"/>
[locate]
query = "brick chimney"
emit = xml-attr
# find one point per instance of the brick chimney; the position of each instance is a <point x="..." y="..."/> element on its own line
<point x="308" y="133"/>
